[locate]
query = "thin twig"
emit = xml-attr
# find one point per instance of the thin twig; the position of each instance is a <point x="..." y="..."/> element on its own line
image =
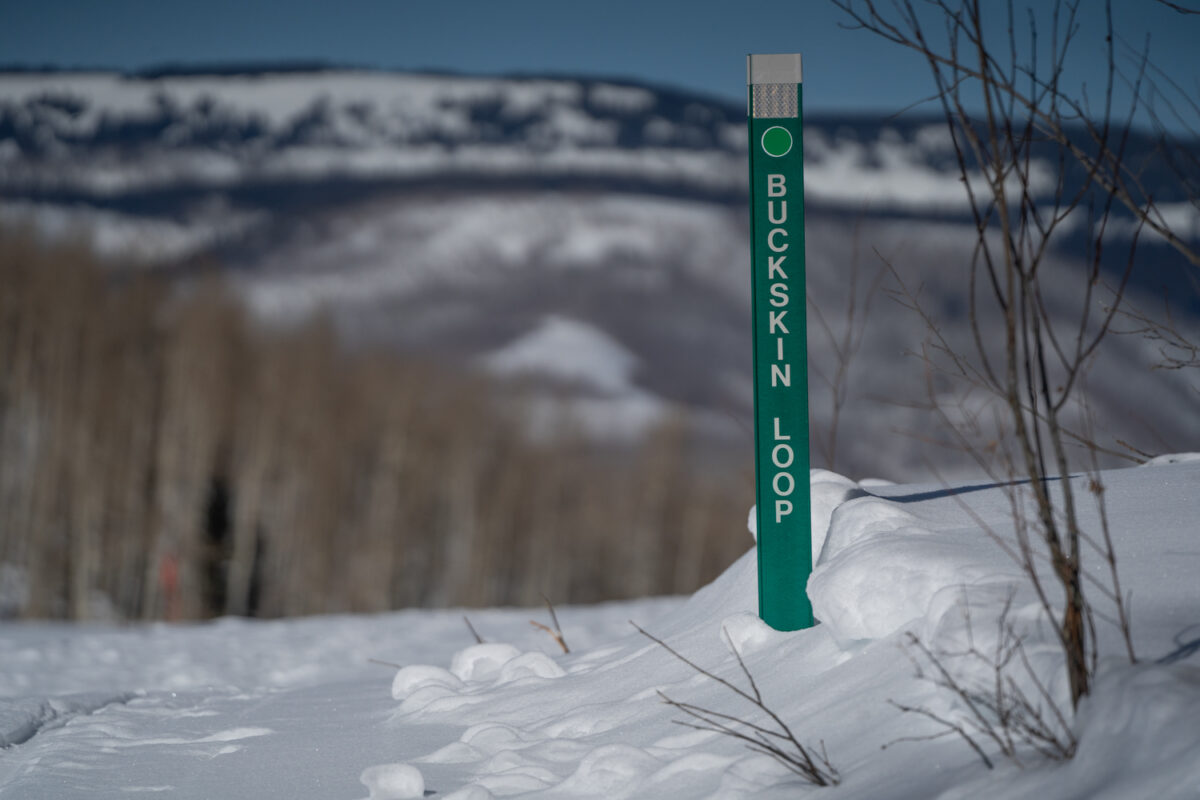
<point x="471" y="628"/>
<point x="385" y="663"/>
<point x="556" y="631"/>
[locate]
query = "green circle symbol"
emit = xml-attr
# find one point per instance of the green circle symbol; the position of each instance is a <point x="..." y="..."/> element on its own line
<point x="777" y="141"/>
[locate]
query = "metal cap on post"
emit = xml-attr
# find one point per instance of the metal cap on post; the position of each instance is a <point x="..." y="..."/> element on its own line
<point x="773" y="68"/>
<point x="781" y="437"/>
<point x="773" y="79"/>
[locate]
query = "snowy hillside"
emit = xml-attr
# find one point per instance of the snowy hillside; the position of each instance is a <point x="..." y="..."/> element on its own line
<point x="295" y="709"/>
<point x="156" y="144"/>
<point x="106" y="134"/>
<point x="462" y="217"/>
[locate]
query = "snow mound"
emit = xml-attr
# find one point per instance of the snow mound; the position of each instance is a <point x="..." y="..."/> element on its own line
<point x="828" y="491"/>
<point x="393" y="782"/>
<point x="419" y="676"/>
<point x="529" y="665"/>
<point x="482" y="662"/>
<point x="882" y="567"/>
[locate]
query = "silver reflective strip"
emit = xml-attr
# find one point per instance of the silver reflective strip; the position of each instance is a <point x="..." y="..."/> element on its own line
<point x="774" y="100"/>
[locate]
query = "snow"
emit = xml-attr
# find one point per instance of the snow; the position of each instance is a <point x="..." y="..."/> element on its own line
<point x="569" y="350"/>
<point x="892" y="173"/>
<point x="1173" y="458"/>
<point x="478" y="241"/>
<point x="618" y="417"/>
<point x="409" y="680"/>
<point x="576" y="354"/>
<point x="363" y="124"/>
<point x="626" y="99"/>
<point x="372" y="125"/>
<point x="294" y="708"/>
<point x="393" y="782"/>
<point x="142" y="241"/>
<point x="1182" y="219"/>
<point x="482" y="662"/>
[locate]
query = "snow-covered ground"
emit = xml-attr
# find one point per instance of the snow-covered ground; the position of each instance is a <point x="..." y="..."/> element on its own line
<point x="296" y="709"/>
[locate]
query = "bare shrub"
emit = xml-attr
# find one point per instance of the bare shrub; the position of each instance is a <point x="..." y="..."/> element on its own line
<point x="774" y="739"/>
<point x="1004" y="701"/>
<point x="1027" y="354"/>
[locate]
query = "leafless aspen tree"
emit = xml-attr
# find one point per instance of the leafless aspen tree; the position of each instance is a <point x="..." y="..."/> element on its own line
<point x="163" y="450"/>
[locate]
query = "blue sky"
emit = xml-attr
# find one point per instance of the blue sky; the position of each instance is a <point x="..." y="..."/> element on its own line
<point x="700" y="44"/>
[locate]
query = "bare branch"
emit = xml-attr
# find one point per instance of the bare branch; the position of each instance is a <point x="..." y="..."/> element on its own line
<point x="998" y="709"/>
<point x="778" y="742"/>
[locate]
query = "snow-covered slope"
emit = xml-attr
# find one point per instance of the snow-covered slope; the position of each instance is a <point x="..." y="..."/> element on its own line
<point x="294" y="709"/>
<point x="455" y="215"/>
<point x="107" y="134"/>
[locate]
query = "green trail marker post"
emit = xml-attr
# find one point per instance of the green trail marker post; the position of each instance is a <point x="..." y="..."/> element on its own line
<point x="780" y="340"/>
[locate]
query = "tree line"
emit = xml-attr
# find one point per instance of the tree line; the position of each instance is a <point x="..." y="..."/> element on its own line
<point x="166" y="454"/>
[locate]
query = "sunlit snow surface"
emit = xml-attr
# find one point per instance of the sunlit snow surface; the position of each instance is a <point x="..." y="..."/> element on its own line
<point x="295" y="709"/>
